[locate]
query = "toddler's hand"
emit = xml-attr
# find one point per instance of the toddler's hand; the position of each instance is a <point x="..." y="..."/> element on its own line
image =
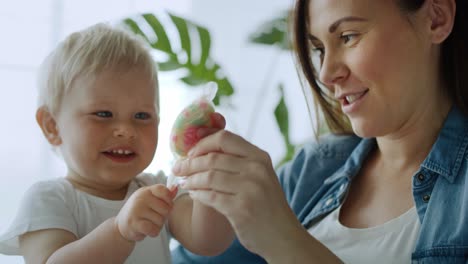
<point x="145" y="212"/>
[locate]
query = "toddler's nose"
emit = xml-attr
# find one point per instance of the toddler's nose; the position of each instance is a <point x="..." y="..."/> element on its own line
<point x="124" y="132"/>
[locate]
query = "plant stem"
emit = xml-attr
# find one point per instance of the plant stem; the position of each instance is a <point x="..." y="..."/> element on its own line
<point x="261" y="94"/>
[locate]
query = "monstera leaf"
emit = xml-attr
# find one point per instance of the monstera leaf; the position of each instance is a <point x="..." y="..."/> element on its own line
<point x="282" y="119"/>
<point x="273" y="32"/>
<point x="193" y="54"/>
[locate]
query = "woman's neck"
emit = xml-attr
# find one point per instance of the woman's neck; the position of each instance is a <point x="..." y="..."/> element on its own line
<point x="408" y="147"/>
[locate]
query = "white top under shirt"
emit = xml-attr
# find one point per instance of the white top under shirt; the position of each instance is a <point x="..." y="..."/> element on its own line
<point x="57" y="204"/>
<point x="391" y="242"/>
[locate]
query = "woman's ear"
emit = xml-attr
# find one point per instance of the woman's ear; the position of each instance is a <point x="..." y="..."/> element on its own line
<point x="442" y="15"/>
<point x="48" y="126"/>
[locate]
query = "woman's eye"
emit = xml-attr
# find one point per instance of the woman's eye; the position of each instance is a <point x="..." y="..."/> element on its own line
<point x="103" y="114"/>
<point x="142" y="115"/>
<point x="348" y="37"/>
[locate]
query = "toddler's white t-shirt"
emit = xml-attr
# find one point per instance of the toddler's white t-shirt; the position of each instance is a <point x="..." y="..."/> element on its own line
<point x="57" y="204"/>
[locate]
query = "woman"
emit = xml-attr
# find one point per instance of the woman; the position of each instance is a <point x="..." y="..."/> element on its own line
<point x="391" y="182"/>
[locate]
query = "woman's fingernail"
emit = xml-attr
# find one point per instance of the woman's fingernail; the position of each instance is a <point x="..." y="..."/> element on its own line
<point x="191" y="152"/>
<point x="218" y="120"/>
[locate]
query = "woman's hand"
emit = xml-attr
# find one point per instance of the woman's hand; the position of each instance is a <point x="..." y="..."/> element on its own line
<point x="236" y="178"/>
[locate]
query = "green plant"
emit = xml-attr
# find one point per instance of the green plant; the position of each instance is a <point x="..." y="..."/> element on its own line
<point x="275" y="33"/>
<point x="282" y="119"/>
<point x="198" y="71"/>
<point x="204" y="70"/>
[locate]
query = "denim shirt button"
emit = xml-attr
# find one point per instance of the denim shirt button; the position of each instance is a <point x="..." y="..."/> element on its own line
<point x="426" y="198"/>
<point x="421" y="177"/>
<point x="328" y="202"/>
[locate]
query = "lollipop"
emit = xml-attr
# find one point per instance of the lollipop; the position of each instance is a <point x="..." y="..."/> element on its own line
<point x="184" y="132"/>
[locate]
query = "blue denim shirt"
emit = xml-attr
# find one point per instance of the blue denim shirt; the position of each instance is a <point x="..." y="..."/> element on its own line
<point x="316" y="181"/>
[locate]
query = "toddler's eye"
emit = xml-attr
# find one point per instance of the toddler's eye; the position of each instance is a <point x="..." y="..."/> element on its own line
<point x="103" y="114"/>
<point x="142" y="115"/>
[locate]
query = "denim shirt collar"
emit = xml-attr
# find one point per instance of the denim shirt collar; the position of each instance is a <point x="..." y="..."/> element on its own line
<point x="445" y="157"/>
<point x="355" y="161"/>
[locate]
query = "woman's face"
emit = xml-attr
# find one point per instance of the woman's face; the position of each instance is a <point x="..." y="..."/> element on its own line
<point x="377" y="61"/>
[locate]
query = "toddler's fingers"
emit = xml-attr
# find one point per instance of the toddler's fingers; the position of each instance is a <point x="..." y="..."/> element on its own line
<point x="155" y="217"/>
<point x="148" y="228"/>
<point x="160" y="206"/>
<point x="134" y="235"/>
<point x="162" y="192"/>
<point x="173" y="189"/>
<point x="139" y="237"/>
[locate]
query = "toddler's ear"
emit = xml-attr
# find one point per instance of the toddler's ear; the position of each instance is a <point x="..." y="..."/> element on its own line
<point x="48" y="126"/>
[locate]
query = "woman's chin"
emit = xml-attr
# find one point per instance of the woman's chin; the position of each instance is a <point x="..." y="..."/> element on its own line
<point x="366" y="129"/>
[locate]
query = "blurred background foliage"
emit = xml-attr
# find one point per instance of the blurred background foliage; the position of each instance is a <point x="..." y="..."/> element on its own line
<point x="190" y="53"/>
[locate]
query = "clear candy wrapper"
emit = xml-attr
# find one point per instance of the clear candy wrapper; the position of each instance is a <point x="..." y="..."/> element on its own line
<point x="184" y="133"/>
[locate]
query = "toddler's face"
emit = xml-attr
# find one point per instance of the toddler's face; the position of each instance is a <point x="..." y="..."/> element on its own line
<point x="108" y="128"/>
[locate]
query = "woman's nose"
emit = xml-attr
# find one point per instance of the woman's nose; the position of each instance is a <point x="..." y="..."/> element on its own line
<point x="332" y="70"/>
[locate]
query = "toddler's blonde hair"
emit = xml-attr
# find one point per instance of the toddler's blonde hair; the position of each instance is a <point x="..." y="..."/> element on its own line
<point x="87" y="53"/>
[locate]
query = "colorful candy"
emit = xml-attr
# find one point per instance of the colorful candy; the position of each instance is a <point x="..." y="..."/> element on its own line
<point x="184" y="132"/>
